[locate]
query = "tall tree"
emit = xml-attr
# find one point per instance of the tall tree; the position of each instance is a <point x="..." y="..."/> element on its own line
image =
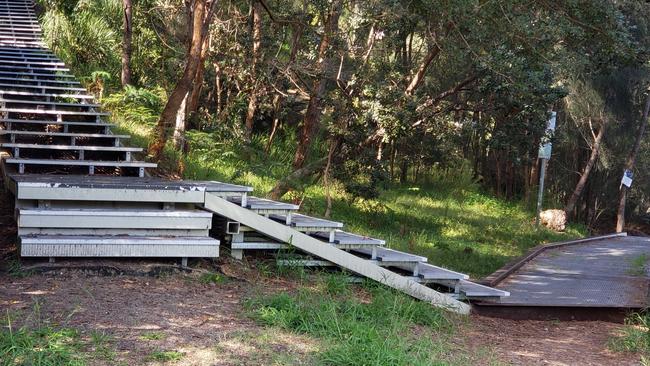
<point x="629" y="165"/>
<point x="320" y="86"/>
<point x="202" y="12"/>
<point x="126" y="42"/>
<point x="256" y="55"/>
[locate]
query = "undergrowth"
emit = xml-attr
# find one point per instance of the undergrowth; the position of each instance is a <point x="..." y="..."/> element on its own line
<point x="635" y="336"/>
<point x="381" y="327"/>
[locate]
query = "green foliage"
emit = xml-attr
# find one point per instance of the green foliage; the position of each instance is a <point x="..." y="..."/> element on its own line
<point x="635" y="337"/>
<point x="381" y="331"/>
<point x="40" y="347"/>
<point x="164" y="356"/>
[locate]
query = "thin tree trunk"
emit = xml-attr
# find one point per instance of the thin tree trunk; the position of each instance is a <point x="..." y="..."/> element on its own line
<point x="326" y="179"/>
<point x="202" y="13"/>
<point x="284" y="185"/>
<point x="595" y="150"/>
<point x="195" y="93"/>
<point x="311" y="121"/>
<point x="257" y="43"/>
<point x="126" y="43"/>
<point x="629" y="165"/>
<point x="419" y="75"/>
<point x="276" y="121"/>
<point x="179" y="129"/>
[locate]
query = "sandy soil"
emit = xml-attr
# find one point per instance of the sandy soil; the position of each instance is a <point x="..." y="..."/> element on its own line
<point x="529" y="342"/>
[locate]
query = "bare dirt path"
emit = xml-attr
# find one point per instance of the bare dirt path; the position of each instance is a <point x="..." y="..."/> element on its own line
<point x="531" y="342"/>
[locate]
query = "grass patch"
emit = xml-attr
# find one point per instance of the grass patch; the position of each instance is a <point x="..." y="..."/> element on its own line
<point x="635" y="337"/>
<point x="164" y="356"/>
<point x="638" y="264"/>
<point x="212" y="277"/>
<point x="448" y="219"/>
<point x="152" y="336"/>
<point x="41" y="347"/>
<point x="382" y="327"/>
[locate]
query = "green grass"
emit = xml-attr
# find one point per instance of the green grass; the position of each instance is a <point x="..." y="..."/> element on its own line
<point x="448" y="219"/>
<point x="638" y="265"/>
<point x="164" y="356"/>
<point x="635" y="337"/>
<point x="41" y="347"/>
<point x="382" y="327"/>
<point x="152" y="336"/>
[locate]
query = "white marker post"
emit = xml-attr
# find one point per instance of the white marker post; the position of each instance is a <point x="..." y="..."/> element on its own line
<point x="544" y="155"/>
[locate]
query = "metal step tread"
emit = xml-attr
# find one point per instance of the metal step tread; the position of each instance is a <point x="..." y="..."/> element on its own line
<point x="45" y="122"/>
<point x="50" y="95"/>
<point x="40" y="102"/>
<point x="114" y="212"/>
<point x="116" y="240"/>
<point x="304" y="221"/>
<point x="474" y="290"/>
<point x="256" y="203"/>
<point x="49" y="87"/>
<point x="392" y="256"/>
<point x="52" y="112"/>
<point x="37" y="82"/>
<point x="69" y="76"/>
<point x="428" y="271"/>
<point x="123" y="164"/>
<point x="72" y="147"/>
<point x="343" y="237"/>
<point x="62" y="134"/>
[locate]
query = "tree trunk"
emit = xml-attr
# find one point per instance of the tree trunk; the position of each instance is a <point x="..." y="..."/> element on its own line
<point x="595" y="150"/>
<point x="629" y="164"/>
<point x="179" y="129"/>
<point x="126" y="43"/>
<point x="284" y="185"/>
<point x="201" y="16"/>
<point x="419" y="75"/>
<point x="195" y="93"/>
<point x="257" y="43"/>
<point x="311" y="121"/>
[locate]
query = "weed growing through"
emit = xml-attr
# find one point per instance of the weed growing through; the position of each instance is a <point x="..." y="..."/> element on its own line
<point x="638" y="265"/>
<point x="164" y="356"/>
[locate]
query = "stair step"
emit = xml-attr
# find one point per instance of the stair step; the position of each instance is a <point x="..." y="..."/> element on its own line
<point x="263" y="205"/>
<point x="72" y="147"/>
<point x="52" y="112"/>
<point x="63" y="134"/>
<point x="67" y="76"/>
<point x="91" y="164"/>
<point x="342" y="237"/>
<point x="38" y="81"/>
<point x="388" y="256"/>
<point x="430" y="273"/>
<point x="63" y="123"/>
<point x="48" y="95"/>
<point x="59" y="104"/>
<point x="473" y="291"/>
<point x="41" y="87"/>
<point x="27" y="68"/>
<point x="307" y="223"/>
<point x="114" y="219"/>
<point x="117" y="246"/>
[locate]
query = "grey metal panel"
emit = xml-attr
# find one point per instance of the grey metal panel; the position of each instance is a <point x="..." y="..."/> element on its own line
<point x="118" y="231"/>
<point x="430" y="272"/>
<point x="471" y="290"/>
<point x="392" y="256"/>
<point x="125" y="164"/>
<point x="199" y="250"/>
<point x="256" y="204"/>
<point x="342" y="237"/>
<point x="114" y="219"/>
<point x="308" y="223"/>
<point x="116" y="195"/>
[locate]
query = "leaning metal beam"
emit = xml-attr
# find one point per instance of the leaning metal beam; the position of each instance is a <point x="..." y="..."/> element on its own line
<point x="327" y="252"/>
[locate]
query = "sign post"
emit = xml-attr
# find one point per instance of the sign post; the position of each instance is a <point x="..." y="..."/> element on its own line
<point x="544" y="155"/>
